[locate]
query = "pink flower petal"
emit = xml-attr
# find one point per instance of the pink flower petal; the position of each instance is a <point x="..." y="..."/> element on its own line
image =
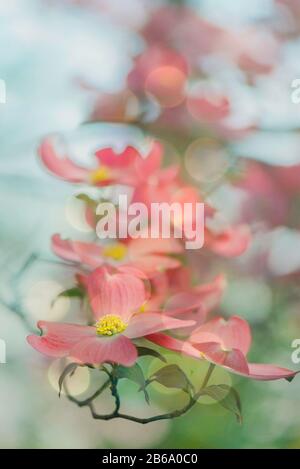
<point x="89" y="253"/>
<point x="147" y="323"/>
<point x="159" y="288"/>
<point x="132" y="270"/>
<point x="95" y="350"/>
<point x="77" y="251"/>
<point x="139" y="247"/>
<point x="233" y="333"/>
<point x="198" y="316"/>
<point x="147" y="166"/>
<point x="234" y="360"/>
<point x="211" y="293"/>
<point x="173" y="344"/>
<point x="182" y="303"/>
<point x="180" y="279"/>
<point x="206" y="297"/>
<point x="209" y="108"/>
<point x="230" y="243"/>
<point x="108" y="157"/>
<point x="59" y="338"/>
<point x="115" y="293"/>
<point x="269" y="372"/>
<point x="64" y="248"/>
<point x="169" y="175"/>
<point x="60" y="165"/>
<point x="151" y="264"/>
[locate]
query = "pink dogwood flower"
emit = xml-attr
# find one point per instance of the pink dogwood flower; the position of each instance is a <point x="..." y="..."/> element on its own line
<point x="127" y="167"/>
<point x="205" y="296"/>
<point x="182" y="301"/>
<point x="165" y="186"/>
<point x="229" y="242"/>
<point x="160" y="72"/>
<point x="179" y="27"/>
<point x="115" y="299"/>
<point x="148" y="255"/>
<point x="208" y="106"/>
<point x="225" y="343"/>
<point x="195" y="303"/>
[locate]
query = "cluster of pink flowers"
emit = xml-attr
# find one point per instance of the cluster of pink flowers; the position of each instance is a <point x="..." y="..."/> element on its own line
<point x="175" y="81"/>
<point x="145" y="288"/>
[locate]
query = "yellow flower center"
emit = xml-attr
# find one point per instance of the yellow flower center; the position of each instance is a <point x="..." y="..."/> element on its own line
<point x="99" y="175"/>
<point x="116" y="251"/>
<point x="110" y="325"/>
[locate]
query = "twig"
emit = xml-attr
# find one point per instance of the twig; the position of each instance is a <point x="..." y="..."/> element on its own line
<point x="86" y="402"/>
<point x="116" y="414"/>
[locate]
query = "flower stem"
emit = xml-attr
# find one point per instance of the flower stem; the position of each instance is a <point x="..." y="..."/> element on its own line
<point x="208" y="375"/>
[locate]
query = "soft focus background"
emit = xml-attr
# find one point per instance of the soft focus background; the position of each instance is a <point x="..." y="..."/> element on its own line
<point x="88" y="70"/>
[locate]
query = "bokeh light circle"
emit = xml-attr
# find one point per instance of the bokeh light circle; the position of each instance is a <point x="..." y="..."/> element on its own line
<point x="76" y="384"/>
<point x="167" y="85"/>
<point x="206" y="160"/>
<point x="195" y="370"/>
<point x="42" y="302"/>
<point x="76" y="213"/>
<point x="251" y="297"/>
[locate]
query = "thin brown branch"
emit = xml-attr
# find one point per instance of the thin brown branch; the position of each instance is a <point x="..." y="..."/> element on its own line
<point x="117" y="414"/>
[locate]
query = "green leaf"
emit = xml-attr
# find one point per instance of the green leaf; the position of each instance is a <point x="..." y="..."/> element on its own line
<point x="87" y="200"/>
<point x="171" y="376"/>
<point x="92" y="203"/>
<point x="135" y="374"/>
<point x="145" y="351"/>
<point x="74" y="292"/>
<point x="69" y="370"/>
<point x="227" y="397"/>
